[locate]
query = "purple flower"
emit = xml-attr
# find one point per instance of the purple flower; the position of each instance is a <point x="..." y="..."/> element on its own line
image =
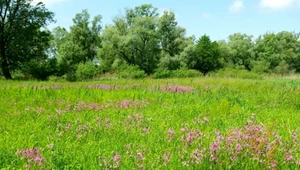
<point x="238" y="148"/>
<point x="288" y="157"/>
<point x="32" y="156"/>
<point x="171" y="134"/>
<point x="214" y="147"/>
<point x="166" y="158"/>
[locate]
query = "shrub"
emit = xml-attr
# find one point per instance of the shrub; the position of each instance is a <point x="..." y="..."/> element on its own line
<point x="182" y="73"/>
<point x="260" y="66"/>
<point x="130" y="71"/>
<point x="283" y="69"/>
<point x="86" y="71"/>
<point x="236" y="73"/>
<point x="162" y="73"/>
<point x="40" y="70"/>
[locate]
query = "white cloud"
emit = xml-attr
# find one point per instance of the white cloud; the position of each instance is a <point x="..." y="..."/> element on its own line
<point x="278" y="4"/>
<point x="237" y="6"/>
<point x="49" y="2"/>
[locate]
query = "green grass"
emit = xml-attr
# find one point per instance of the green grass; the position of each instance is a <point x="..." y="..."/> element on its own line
<point x="77" y="126"/>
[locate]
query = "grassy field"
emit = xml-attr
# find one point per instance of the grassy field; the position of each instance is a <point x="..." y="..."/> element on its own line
<point x="203" y="123"/>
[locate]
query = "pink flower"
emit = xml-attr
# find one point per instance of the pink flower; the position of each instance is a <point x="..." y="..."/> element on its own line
<point x="166" y="158"/>
<point x="28" y="166"/>
<point x="214" y="147"/>
<point x="288" y="157"/>
<point x="238" y="148"/>
<point x="171" y="134"/>
<point x="140" y="155"/>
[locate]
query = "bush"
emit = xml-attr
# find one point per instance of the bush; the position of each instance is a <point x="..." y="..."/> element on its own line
<point x="283" y="69"/>
<point x="162" y="73"/>
<point x="236" y="73"/>
<point x="130" y="71"/>
<point x="40" y="70"/>
<point x="86" y="71"/>
<point x="260" y="66"/>
<point x="182" y="73"/>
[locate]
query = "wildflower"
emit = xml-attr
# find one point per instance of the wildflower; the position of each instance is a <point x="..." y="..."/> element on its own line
<point x="238" y="148"/>
<point x="214" y="147"/>
<point x="288" y="157"/>
<point x="146" y="130"/>
<point x="60" y="134"/>
<point x="190" y="137"/>
<point x="41" y="110"/>
<point x="166" y="158"/>
<point x="50" y="146"/>
<point x="206" y="119"/>
<point x="56" y="87"/>
<point x="117" y="160"/>
<point x="197" y="155"/>
<point x="125" y="104"/>
<point x="140" y="155"/>
<point x="32" y="156"/>
<point x="273" y="165"/>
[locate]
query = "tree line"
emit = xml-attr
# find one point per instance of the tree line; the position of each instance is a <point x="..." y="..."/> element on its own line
<point x="141" y="42"/>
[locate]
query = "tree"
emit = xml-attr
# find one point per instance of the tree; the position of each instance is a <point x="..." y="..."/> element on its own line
<point x="172" y="36"/>
<point x="81" y="44"/>
<point x="132" y="38"/>
<point x="21" y="36"/>
<point x="172" y="41"/>
<point x="207" y="55"/>
<point x="283" y="47"/>
<point x="241" y="50"/>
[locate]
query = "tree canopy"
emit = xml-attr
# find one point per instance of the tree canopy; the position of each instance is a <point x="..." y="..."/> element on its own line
<point x="22" y="38"/>
<point x="141" y="40"/>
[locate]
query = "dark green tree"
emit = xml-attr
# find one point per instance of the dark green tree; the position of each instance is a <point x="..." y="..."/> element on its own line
<point x="22" y="38"/>
<point x="207" y="56"/>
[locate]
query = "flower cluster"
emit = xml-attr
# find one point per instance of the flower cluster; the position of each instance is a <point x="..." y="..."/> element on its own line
<point x="32" y="156"/>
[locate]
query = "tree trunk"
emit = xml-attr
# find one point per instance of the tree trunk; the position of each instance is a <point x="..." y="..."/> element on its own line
<point x="5" y="70"/>
<point x="4" y="65"/>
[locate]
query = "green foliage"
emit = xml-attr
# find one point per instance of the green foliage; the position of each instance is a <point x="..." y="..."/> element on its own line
<point x="170" y="63"/>
<point x="180" y="73"/>
<point x="276" y="48"/>
<point x="241" y="50"/>
<point x="130" y="71"/>
<point x="207" y="56"/>
<point x="162" y="73"/>
<point x="183" y="73"/>
<point x="235" y="73"/>
<point x="24" y="19"/>
<point x="140" y="38"/>
<point x="80" y="45"/>
<point x="283" y="69"/>
<point x="172" y="37"/>
<point x="86" y="71"/>
<point x="151" y="124"/>
<point x="260" y="66"/>
<point x="42" y="69"/>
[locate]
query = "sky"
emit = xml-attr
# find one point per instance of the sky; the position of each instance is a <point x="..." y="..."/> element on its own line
<point x="216" y="18"/>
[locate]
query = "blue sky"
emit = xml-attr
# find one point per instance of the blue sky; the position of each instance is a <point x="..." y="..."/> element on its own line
<point x="216" y="18"/>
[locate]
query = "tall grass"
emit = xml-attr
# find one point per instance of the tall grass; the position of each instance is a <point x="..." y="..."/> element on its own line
<point x="198" y="123"/>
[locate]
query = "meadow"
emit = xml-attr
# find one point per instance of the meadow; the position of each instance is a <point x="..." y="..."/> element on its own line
<point x="194" y="123"/>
